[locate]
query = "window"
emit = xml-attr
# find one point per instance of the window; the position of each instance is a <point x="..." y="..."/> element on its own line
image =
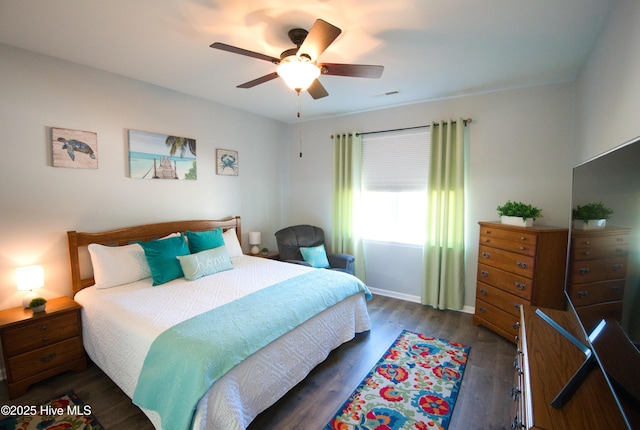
<point x="394" y="185"/>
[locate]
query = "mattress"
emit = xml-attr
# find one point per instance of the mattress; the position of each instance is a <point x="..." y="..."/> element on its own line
<point x="121" y="323"/>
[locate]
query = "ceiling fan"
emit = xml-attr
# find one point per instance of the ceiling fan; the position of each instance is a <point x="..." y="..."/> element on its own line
<point x="299" y="66"/>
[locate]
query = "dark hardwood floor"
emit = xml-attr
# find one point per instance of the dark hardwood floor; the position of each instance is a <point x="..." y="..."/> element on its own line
<point x="483" y="402"/>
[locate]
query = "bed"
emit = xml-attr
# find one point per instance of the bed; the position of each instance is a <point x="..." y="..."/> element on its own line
<point x="123" y="323"/>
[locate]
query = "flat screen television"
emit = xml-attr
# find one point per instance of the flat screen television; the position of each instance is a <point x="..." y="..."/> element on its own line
<point x="609" y="310"/>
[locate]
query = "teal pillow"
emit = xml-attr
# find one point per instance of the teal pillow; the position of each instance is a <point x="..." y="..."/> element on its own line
<point x="205" y="263"/>
<point x="316" y="256"/>
<point x="202" y="240"/>
<point x="161" y="255"/>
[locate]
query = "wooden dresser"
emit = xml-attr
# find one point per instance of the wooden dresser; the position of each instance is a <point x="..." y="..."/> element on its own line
<point x="597" y="271"/>
<point x="545" y="361"/>
<point x="39" y="345"/>
<point x="518" y="265"/>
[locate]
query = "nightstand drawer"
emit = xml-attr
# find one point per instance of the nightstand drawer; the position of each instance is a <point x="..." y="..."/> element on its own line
<point x="37" y="334"/>
<point x="37" y="361"/>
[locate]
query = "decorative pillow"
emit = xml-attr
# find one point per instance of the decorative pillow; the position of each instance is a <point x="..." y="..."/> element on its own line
<point x="316" y="256"/>
<point x="202" y="240"/>
<point x="118" y="265"/>
<point x="231" y="242"/>
<point x="161" y="255"/>
<point x="205" y="263"/>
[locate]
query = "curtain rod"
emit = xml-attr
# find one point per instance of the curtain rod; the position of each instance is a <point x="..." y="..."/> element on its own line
<point x="466" y="121"/>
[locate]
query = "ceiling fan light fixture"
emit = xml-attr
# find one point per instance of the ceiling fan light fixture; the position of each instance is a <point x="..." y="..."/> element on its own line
<point x="298" y="73"/>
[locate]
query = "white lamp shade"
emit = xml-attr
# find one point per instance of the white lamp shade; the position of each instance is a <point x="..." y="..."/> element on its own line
<point x="297" y="74"/>
<point x="255" y="238"/>
<point x="29" y="277"/>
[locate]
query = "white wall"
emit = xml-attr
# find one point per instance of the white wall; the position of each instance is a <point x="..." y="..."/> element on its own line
<point x="520" y="142"/>
<point x="608" y="87"/>
<point x="39" y="203"/>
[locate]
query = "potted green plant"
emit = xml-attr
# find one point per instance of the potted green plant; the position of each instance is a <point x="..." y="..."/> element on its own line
<point x="38" y="304"/>
<point x="518" y="213"/>
<point x="591" y="216"/>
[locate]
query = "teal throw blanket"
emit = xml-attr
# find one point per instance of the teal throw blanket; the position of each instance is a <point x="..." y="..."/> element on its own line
<point x="187" y="359"/>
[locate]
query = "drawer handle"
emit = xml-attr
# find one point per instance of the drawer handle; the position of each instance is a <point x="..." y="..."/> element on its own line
<point x="483" y="309"/>
<point x="487" y="240"/>
<point x="486" y="255"/>
<point x="483" y="292"/>
<point x="583" y="294"/>
<point x="516" y="424"/>
<point x="487" y="232"/>
<point x="45" y="339"/>
<point x="48" y="357"/>
<point x="616" y="288"/>
<point x="586" y="253"/>
<point x="523" y="238"/>
<point x="619" y="239"/>
<point x="43" y="328"/>
<point x="586" y="242"/>
<point x="522" y="264"/>
<point x="484" y="273"/>
<point x="516" y="325"/>
<point x="520" y="285"/>
<point x="616" y="267"/>
<point x="619" y="251"/>
<point x="522" y="248"/>
<point x="517" y="306"/>
<point x="584" y="270"/>
<point x="515" y="393"/>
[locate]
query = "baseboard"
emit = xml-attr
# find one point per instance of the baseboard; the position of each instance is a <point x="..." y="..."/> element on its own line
<point x="414" y="299"/>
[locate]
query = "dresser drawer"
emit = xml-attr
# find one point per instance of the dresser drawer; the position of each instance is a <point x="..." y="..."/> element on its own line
<point x="600" y="252"/>
<point x="34" y="362"/>
<point x="37" y="334"/>
<point x="499" y="298"/>
<point x="507" y="239"/>
<point x="597" y="239"/>
<point x="505" y="260"/>
<point x="512" y="283"/>
<point x="586" y="271"/>
<point x="501" y="319"/>
<point x="596" y="292"/>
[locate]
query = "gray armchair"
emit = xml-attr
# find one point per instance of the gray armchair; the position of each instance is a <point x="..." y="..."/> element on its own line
<point x="291" y="239"/>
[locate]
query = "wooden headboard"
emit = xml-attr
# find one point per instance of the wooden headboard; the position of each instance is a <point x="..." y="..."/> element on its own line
<point x="128" y="235"/>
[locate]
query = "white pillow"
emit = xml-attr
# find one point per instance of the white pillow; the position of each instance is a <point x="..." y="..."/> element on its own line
<point x="231" y="242"/>
<point x="117" y="265"/>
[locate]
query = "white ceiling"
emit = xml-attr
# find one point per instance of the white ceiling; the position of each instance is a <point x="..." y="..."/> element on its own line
<point x="431" y="49"/>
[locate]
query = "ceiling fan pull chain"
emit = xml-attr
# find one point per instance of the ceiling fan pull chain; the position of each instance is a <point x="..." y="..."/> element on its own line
<point x="300" y="128"/>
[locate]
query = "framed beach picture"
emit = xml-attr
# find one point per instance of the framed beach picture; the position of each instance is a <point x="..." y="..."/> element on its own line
<point x="227" y="162"/>
<point x="74" y="148"/>
<point x="161" y="156"/>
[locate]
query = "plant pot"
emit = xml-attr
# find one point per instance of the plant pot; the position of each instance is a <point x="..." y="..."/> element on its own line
<point x="517" y="221"/>
<point x="39" y="308"/>
<point x="592" y="224"/>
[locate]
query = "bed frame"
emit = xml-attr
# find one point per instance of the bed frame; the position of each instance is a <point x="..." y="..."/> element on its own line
<point x="78" y="241"/>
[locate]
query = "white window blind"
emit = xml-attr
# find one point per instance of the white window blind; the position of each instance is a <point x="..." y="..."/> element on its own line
<point x="395" y="161"/>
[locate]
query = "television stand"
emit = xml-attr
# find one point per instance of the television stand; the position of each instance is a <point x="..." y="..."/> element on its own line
<point x="546" y="360"/>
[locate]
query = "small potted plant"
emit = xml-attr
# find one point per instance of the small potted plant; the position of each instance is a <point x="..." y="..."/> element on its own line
<point x="38" y="304"/>
<point x="591" y="216"/>
<point x="518" y="213"/>
<point x="264" y="251"/>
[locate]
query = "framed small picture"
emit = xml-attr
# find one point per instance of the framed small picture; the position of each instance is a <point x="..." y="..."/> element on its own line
<point x="74" y="148"/>
<point x="227" y="162"/>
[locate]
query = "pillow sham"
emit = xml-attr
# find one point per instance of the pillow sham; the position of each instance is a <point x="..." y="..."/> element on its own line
<point x="202" y="240"/>
<point x="118" y="265"/>
<point x="231" y="242"/>
<point x="316" y="256"/>
<point x="205" y="262"/>
<point x="161" y="255"/>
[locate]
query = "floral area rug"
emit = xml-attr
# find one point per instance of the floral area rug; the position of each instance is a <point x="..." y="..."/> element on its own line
<point x="65" y="412"/>
<point x="413" y="386"/>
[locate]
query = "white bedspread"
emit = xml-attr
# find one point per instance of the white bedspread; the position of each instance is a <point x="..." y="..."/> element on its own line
<point x="120" y="323"/>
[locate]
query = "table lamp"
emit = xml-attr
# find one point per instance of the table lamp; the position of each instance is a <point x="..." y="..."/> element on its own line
<point x="28" y="279"/>
<point x="254" y="241"/>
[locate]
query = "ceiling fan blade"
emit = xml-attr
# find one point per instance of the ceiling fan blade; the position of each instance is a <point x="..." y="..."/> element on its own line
<point x="321" y="35"/>
<point x="261" y="80"/>
<point x="236" y="50"/>
<point x="354" y="70"/>
<point x="316" y="90"/>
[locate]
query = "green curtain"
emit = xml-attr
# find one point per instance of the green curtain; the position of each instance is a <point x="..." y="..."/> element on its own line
<point x="443" y="256"/>
<point x="347" y="157"/>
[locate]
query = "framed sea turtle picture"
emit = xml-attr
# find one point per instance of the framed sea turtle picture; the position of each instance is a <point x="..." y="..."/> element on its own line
<point x="227" y="162"/>
<point x="74" y="148"/>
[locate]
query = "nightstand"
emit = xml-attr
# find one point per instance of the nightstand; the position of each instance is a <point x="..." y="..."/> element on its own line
<point x="36" y="346"/>
<point x="272" y="255"/>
